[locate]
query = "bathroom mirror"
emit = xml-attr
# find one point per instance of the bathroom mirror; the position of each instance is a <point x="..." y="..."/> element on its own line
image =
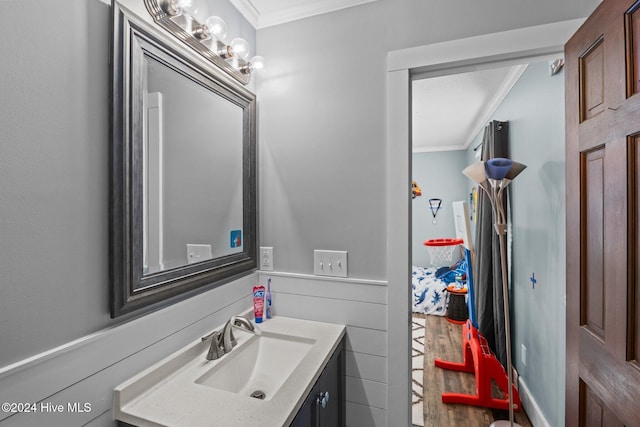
<point x="183" y="169"/>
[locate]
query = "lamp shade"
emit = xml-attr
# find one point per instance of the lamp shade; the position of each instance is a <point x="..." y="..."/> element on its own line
<point x="475" y="172"/>
<point x="515" y="170"/>
<point x="497" y="168"/>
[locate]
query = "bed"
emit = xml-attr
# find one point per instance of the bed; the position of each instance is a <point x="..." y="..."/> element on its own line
<point x="428" y="286"/>
<point x="428" y="292"/>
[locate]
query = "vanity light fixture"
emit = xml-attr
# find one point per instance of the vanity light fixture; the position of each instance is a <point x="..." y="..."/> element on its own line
<point x="256" y="63"/>
<point x="178" y="7"/>
<point x="208" y="38"/>
<point x="214" y="27"/>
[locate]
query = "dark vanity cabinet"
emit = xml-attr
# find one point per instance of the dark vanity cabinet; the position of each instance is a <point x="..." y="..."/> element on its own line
<point x="324" y="406"/>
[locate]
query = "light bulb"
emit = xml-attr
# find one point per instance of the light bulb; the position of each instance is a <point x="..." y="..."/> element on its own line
<point x="240" y="47"/>
<point x="189" y="6"/>
<point x="256" y="63"/>
<point x="216" y="27"/>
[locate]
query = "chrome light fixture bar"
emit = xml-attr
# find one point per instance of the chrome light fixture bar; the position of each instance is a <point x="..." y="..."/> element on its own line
<point x="207" y="39"/>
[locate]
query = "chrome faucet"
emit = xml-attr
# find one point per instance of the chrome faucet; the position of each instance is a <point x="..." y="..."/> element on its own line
<point x="222" y="342"/>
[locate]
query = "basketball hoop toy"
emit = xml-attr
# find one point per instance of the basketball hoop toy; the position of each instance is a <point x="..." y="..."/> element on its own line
<point x="441" y="250"/>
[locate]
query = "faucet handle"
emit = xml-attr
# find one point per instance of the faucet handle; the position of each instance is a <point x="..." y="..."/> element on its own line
<point x="206" y="337"/>
<point x="215" y="350"/>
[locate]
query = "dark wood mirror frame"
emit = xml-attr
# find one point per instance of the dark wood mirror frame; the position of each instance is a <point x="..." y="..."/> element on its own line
<point x="133" y="38"/>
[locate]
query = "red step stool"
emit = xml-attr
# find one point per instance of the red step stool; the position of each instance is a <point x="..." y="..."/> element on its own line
<point x="479" y="358"/>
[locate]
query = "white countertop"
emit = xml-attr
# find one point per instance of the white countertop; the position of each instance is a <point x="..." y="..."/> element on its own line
<point x="166" y="394"/>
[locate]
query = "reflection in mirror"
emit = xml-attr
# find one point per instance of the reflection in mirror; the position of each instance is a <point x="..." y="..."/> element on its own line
<point x="183" y="179"/>
<point x="193" y="174"/>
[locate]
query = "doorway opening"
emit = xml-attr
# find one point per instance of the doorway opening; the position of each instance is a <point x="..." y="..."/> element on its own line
<point x="500" y="49"/>
<point x="449" y="114"/>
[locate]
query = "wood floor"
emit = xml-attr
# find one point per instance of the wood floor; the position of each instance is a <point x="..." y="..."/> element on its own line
<point x="443" y="340"/>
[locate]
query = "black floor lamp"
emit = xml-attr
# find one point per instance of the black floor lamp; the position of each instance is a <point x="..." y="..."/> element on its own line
<point x="493" y="176"/>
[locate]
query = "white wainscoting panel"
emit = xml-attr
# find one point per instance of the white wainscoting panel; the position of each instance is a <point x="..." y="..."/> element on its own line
<point x="366" y="366"/>
<point x="88" y="369"/>
<point x="365" y="416"/>
<point x="361" y="305"/>
<point x="368" y="341"/>
<point x="366" y="392"/>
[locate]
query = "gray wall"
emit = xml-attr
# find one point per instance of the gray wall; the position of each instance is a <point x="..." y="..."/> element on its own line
<point x="439" y="175"/>
<point x="54" y="218"/>
<point x="535" y="111"/>
<point x="54" y="169"/>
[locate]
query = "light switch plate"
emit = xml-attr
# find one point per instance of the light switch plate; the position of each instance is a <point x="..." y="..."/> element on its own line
<point x="266" y="258"/>
<point x="330" y="263"/>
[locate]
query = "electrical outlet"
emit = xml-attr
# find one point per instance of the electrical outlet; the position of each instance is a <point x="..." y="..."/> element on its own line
<point x="330" y="263"/>
<point x="523" y="355"/>
<point x="266" y="258"/>
<point x="198" y="253"/>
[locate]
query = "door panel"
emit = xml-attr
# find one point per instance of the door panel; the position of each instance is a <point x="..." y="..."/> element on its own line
<point x="595" y="414"/>
<point x="593" y="292"/>
<point x="633" y="309"/>
<point x="603" y="206"/>
<point x="633" y="48"/>
<point x="592" y="81"/>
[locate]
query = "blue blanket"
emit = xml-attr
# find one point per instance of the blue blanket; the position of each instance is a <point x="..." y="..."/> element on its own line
<point x="428" y="292"/>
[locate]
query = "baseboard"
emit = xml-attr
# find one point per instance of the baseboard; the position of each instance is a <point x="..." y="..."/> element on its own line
<point x="531" y="406"/>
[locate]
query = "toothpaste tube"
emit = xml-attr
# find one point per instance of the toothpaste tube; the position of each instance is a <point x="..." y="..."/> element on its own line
<point x="258" y="303"/>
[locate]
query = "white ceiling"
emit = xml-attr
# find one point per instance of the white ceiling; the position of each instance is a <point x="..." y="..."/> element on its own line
<point x="448" y="111"/>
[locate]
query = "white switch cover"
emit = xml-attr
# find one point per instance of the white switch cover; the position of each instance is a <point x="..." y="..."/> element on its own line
<point x="198" y="253"/>
<point x="266" y="258"/>
<point x="330" y="263"/>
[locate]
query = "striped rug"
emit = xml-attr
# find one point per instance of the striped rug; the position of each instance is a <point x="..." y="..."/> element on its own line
<point x="417" y="371"/>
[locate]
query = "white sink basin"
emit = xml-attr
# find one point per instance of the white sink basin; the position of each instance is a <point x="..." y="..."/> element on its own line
<point x="259" y="367"/>
<point x="186" y="389"/>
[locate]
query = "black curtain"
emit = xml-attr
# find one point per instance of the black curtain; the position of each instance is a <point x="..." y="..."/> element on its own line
<point x="487" y="268"/>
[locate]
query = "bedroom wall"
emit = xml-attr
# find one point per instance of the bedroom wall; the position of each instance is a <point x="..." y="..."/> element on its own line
<point x="535" y="111"/>
<point x="439" y="175"/>
<point x="539" y="236"/>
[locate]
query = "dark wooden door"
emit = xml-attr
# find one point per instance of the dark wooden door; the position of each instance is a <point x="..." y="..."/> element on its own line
<point x="603" y="212"/>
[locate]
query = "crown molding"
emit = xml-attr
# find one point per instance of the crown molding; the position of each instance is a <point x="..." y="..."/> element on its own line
<point x="248" y="10"/>
<point x="505" y="88"/>
<point x="303" y="10"/>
